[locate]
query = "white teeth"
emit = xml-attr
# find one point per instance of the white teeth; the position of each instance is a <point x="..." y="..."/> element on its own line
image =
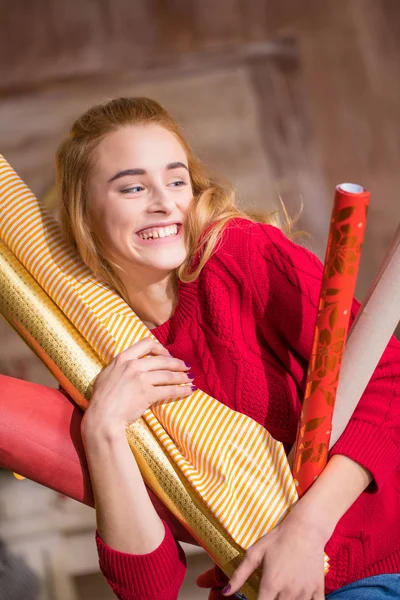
<point x="160" y="232"/>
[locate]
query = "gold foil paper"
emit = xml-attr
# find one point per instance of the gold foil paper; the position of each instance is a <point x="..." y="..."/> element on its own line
<point x="42" y="325"/>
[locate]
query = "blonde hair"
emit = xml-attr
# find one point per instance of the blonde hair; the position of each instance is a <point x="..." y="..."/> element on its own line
<point x="213" y="200"/>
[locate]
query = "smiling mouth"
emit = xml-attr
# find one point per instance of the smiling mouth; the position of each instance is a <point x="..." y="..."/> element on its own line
<point x="156" y="233"/>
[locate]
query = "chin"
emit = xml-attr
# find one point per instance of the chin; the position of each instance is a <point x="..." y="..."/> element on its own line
<point x="166" y="261"/>
<point x="167" y="266"/>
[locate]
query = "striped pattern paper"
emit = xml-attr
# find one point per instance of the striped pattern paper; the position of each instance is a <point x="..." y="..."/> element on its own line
<point x="235" y="466"/>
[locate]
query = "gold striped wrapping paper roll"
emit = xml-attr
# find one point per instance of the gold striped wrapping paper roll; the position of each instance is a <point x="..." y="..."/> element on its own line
<point x="248" y="487"/>
<point x="42" y="325"/>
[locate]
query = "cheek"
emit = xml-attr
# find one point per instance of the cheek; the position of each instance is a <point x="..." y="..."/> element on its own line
<point x="186" y="200"/>
<point x="119" y="220"/>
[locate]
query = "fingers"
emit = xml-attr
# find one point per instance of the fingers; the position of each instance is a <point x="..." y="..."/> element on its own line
<point x="140" y="349"/>
<point x="159" y="363"/>
<point x="269" y="591"/>
<point x="164" y="392"/>
<point x="167" y="377"/>
<point x="319" y="595"/>
<point x="249" y="564"/>
<point x="157" y="357"/>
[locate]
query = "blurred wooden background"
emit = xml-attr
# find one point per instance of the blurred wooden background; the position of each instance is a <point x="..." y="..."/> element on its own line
<point x="284" y="97"/>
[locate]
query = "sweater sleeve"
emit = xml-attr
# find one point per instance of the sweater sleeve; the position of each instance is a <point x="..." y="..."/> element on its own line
<point x="288" y="285"/>
<point x="154" y="576"/>
<point x="157" y="575"/>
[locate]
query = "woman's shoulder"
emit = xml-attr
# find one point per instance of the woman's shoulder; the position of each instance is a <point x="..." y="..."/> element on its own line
<point x="240" y="231"/>
<point x="246" y="241"/>
<point x="241" y="250"/>
<point x="240" y="234"/>
<point x="258" y="255"/>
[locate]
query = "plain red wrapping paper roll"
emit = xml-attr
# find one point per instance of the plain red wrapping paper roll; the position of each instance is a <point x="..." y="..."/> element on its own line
<point x="40" y="439"/>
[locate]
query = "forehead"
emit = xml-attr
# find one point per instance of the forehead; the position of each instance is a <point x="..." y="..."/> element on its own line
<point x="149" y="147"/>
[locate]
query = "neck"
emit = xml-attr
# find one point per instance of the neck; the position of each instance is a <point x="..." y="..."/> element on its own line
<point x="155" y="302"/>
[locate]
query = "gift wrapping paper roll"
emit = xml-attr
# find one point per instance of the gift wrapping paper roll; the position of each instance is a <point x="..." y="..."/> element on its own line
<point x="40" y="438"/>
<point x="369" y="335"/>
<point x="337" y="290"/>
<point x="43" y="326"/>
<point x="189" y="429"/>
<point x="250" y="488"/>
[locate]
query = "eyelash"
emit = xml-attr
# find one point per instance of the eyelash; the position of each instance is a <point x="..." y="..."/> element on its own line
<point x="128" y="190"/>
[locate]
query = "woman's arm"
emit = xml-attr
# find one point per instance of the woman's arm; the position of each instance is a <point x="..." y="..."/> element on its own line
<point x="126" y="518"/>
<point x="123" y="391"/>
<point x="295" y="548"/>
<point x="137" y="553"/>
<point x="286" y="280"/>
<point x="331" y="495"/>
<point x="287" y="286"/>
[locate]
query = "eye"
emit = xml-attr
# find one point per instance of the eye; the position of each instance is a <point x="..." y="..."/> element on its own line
<point x="133" y="190"/>
<point x="178" y="183"/>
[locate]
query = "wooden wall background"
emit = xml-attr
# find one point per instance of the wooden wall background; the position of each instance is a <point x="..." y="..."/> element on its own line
<point x="284" y="97"/>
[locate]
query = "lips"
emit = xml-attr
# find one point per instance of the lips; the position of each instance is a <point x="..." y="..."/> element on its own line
<point x="157" y="225"/>
<point x="159" y="235"/>
<point x="159" y="232"/>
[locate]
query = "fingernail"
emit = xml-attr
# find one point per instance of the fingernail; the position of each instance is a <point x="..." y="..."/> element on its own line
<point x="194" y="388"/>
<point x="190" y="375"/>
<point x="226" y="589"/>
<point x="187" y="364"/>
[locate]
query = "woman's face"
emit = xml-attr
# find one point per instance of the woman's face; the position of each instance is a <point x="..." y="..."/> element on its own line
<point x="139" y="192"/>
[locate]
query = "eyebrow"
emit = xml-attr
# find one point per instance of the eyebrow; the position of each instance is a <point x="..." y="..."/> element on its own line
<point x="169" y="167"/>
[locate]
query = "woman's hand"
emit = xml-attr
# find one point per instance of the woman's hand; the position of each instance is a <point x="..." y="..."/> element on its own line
<point x="292" y="561"/>
<point x="130" y="384"/>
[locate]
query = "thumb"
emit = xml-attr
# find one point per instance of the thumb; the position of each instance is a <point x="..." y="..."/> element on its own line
<point x="248" y="565"/>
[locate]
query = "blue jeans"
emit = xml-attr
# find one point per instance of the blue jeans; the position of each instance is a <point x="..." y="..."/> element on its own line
<point x="378" y="587"/>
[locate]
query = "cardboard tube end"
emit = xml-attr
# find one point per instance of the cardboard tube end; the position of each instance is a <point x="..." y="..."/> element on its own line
<point x="352" y="188"/>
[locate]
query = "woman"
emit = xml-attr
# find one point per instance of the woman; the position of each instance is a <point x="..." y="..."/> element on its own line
<point x="234" y="302"/>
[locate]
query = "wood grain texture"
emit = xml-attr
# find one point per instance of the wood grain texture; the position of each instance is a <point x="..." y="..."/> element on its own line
<point x="283" y="97"/>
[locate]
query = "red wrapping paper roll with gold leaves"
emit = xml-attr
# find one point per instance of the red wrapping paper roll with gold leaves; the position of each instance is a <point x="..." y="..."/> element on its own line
<point x="342" y="260"/>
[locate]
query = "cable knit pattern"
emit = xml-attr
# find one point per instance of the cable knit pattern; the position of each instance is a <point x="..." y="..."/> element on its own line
<point x="158" y="574"/>
<point x="246" y="325"/>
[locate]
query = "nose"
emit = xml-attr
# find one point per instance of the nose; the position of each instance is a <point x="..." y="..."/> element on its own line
<point x="161" y="201"/>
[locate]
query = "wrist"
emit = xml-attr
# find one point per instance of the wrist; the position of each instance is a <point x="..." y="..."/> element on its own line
<point x="95" y="432"/>
<point x="305" y="517"/>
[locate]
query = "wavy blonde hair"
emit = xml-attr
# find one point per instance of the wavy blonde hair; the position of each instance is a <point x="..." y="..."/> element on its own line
<point x="213" y="200"/>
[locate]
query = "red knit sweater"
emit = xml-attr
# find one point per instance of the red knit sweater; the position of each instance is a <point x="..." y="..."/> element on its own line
<point x="246" y="325"/>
